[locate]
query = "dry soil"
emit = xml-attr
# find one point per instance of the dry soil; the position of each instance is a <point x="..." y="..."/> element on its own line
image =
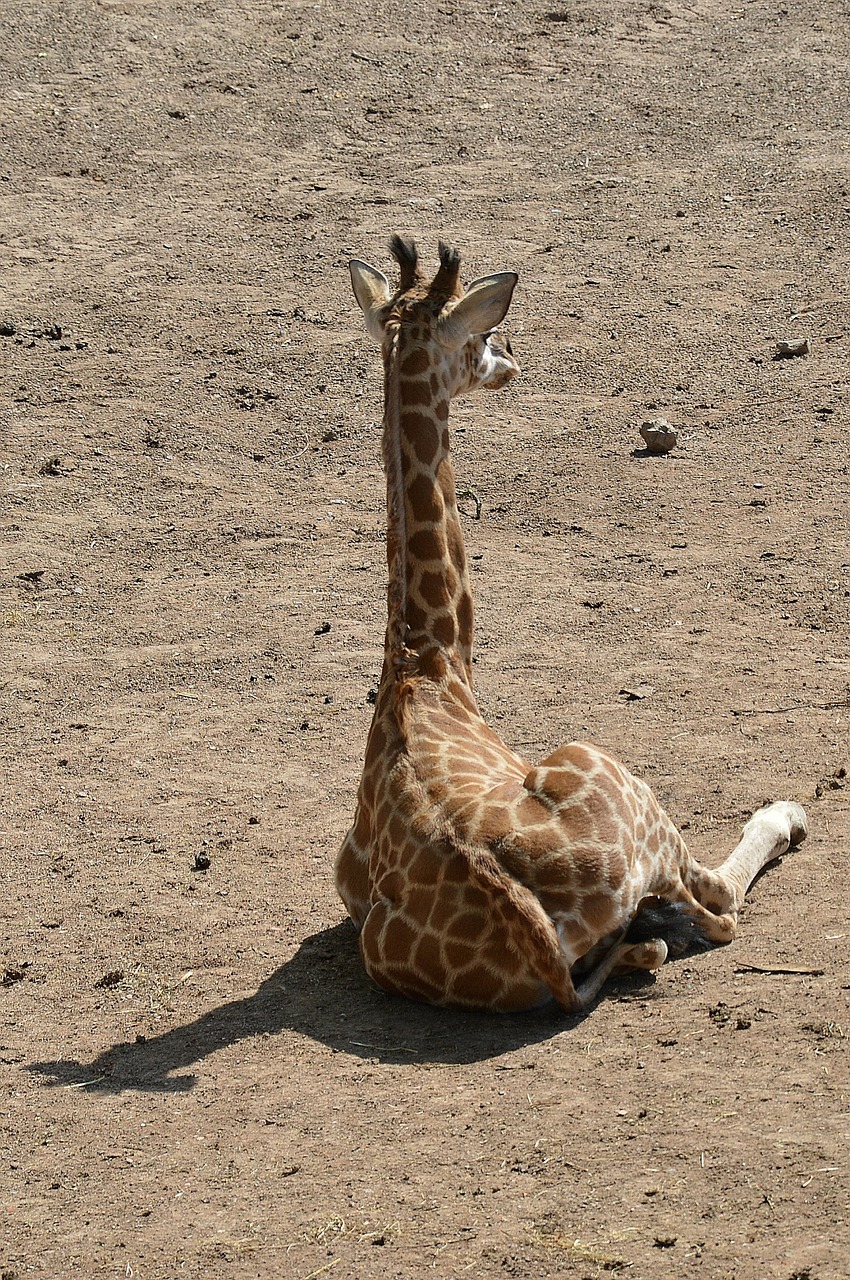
<point x="198" y="1079"/>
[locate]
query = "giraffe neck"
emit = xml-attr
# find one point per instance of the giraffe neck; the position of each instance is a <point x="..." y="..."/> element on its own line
<point x="429" y="596"/>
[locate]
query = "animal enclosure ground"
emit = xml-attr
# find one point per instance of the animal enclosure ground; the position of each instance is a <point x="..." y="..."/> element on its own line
<point x="198" y="1079"/>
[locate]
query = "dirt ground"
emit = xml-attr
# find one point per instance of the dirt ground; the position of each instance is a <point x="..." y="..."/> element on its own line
<point x="198" y="1079"/>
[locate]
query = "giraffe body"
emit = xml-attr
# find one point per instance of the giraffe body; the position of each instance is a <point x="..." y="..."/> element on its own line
<point x="475" y="878"/>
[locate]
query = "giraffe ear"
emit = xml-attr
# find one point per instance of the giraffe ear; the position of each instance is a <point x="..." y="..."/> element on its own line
<point x="483" y="307"/>
<point x="372" y="291"/>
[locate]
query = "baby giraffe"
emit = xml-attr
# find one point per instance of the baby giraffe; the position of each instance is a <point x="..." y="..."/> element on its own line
<point x="475" y="878"/>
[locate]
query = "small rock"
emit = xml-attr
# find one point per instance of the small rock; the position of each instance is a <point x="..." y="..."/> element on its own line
<point x="787" y="348"/>
<point x="658" y="435"/>
<point x="202" y="862"/>
<point x="637" y="693"/>
<point x="7" y="329"/>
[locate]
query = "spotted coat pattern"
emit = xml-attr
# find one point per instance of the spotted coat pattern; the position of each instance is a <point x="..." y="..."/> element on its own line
<point x="476" y="878"/>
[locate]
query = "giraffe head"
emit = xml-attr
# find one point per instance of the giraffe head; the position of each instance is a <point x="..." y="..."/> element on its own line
<point x="457" y="328"/>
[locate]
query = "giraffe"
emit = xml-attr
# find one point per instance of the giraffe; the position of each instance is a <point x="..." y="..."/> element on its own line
<point x="475" y="878"/>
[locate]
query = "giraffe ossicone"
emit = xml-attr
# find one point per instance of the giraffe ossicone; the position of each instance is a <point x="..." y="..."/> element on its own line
<point x="475" y="878"/>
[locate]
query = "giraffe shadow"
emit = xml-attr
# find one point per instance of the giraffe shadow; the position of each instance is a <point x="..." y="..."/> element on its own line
<point x="323" y="993"/>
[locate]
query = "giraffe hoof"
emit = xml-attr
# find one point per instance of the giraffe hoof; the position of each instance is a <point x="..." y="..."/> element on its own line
<point x="789" y="819"/>
<point x="799" y="823"/>
<point x="654" y="953"/>
<point x="645" y="955"/>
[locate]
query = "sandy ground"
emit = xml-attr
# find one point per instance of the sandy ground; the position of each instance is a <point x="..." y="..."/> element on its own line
<point x="198" y="1079"/>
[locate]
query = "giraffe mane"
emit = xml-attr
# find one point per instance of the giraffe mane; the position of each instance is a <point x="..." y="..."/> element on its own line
<point x="396" y="520"/>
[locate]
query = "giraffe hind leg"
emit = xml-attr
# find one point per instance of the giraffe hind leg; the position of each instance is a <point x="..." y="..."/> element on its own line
<point x="638" y="949"/>
<point x="770" y="832"/>
<point x="716" y="926"/>
<point x="713" y="899"/>
<point x="622" y="957"/>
